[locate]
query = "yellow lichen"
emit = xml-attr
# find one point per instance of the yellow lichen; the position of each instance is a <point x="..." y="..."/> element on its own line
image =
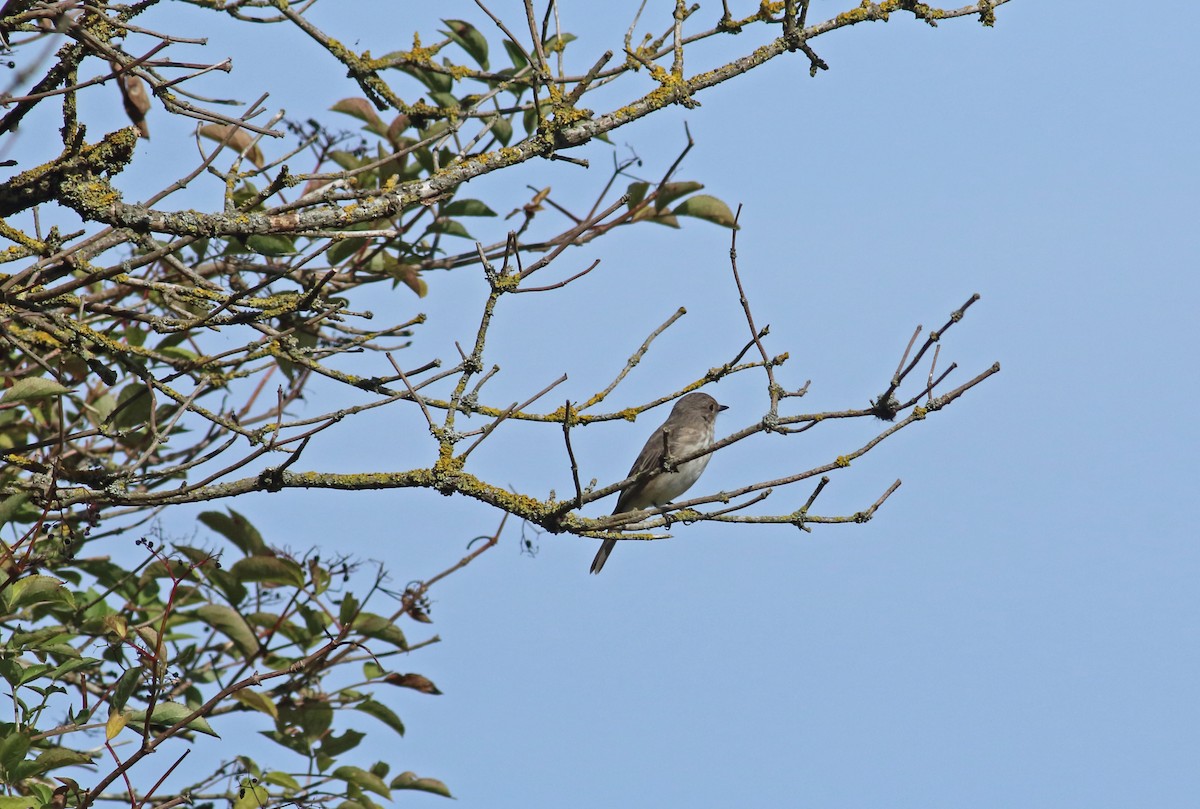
<point x="419" y="55"/>
<point x="856" y="15"/>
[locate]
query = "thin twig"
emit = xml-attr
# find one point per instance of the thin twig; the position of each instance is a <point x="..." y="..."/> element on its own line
<point x="571" y="453"/>
<point x="561" y="284"/>
<point x="634" y="359"/>
<point x="433" y="429"/>
<point x="486" y="431"/>
<point x="812" y="498"/>
<point x="773" y="389"/>
<point x="466" y="560"/>
<point x="146" y="798"/>
<point x="896" y="378"/>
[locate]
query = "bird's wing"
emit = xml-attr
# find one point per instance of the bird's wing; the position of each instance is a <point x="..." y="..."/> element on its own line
<point x="651" y="454"/>
<point x="647" y="459"/>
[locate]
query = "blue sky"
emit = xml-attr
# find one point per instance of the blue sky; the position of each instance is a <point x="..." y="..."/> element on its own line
<point x="1019" y="624"/>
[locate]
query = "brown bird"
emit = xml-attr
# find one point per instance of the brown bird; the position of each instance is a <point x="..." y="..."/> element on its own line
<point x="690" y="428"/>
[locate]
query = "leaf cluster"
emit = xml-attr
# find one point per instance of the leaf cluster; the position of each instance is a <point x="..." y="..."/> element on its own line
<point x="193" y="642"/>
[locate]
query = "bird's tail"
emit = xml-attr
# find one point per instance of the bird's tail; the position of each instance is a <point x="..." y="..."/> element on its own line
<point x="602" y="555"/>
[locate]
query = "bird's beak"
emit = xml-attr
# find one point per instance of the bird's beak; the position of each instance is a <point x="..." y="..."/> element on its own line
<point x="722" y="407"/>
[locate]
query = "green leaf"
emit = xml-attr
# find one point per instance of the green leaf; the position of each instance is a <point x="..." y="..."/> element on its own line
<point x="663" y="219"/>
<point x="238" y="530"/>
<point x="530" y="120"/>
<point x="294" y="742"/>
<point x="10" y="670"/>
<point x="269" y="569"/>
<point x="340" y="251"/>
<point x="134" y="336"/>
<point x="637" y="193"/>
<point x="17" y="802"/>
<point x="381" y="712"/>
<point x="271" y="244"/>
<point x="349" y="607"/>
<point x="125" y="687"/>
<point x="362" y="778"/>
<point x="74" y="665"/>
<point x="233" y="590"/>
<point x="334" y="746"/>
<point x="257" y="701"/>
<point x="450" y="227"/>
<point x="35" y="590"/>
<point x="316" y="621"/>
<point x="297" y="634"/>
<point x="466" y="207"/>
<point x="177" y="353"/>
<point x="167" y="714"/>
<point x="410" y="276"/>
<point x="244" y="194"/>
<point x="425" y="157"/>
<point x="251" y="795"/>
<point x="230" y="622"/>
<point x="33" y="388"/>
<point x="40" y="638"/>
<point x="34" y="672"/>
<point x="11" y="506"/>
<point x="447" y="101"/>
<point x="59" y="649"/>
<point x="502" y="129"/>
<point x="409" y="780"/>
<point x="133" y="407"/>
<point x="669" y="192"/>
<point x="470" y="40"/>
<point x="380" y="628"/>
<point x="708" y="208"/>
<point x="514" y="53"/>
<point x="99" y="410"/>
<point x="347" y="160"/>
<point x="281" y="779"/>
<point x="312" y="716"/>
<point x="436" y="82"/>
<point x="56" y="758"/>
<point x="172" y="339"/>
<point x="557" y="43"/>
<point x="13" y="749"/>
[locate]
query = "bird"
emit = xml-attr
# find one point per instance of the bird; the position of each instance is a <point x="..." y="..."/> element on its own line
<point x="689" y="429"/>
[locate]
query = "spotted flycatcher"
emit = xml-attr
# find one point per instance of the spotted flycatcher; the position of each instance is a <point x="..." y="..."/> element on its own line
<point x="689" y="429"/>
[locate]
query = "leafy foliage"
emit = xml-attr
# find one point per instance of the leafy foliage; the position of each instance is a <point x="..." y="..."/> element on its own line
<point x="193" y="640"/>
